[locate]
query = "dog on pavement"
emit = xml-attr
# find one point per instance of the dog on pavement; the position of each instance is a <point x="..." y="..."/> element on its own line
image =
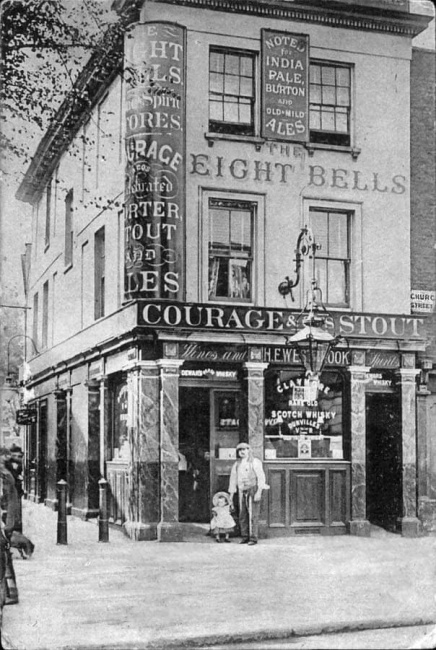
<point x="23" y="544"/>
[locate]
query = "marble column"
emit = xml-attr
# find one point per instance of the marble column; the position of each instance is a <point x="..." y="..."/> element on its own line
<point x="255" y="405"/>
<point x="169" y="529"/>
<point x="359" y="525"/>
<point x="143" y="430"/>
<point x="407" y="378"/>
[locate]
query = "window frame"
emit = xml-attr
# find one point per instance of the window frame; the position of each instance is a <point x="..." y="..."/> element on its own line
<point x="355" y="289"/>
<point x="326" y="138"/>
<point x="257" y="238"/>
<point x="45" y="314"/>
<point x="48" y="213"/>
<point x="226" y="128"/>
<point x="69" y="229"/>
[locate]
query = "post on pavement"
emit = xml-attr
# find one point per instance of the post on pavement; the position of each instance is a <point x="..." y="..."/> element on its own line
<point x="103" y="519"/>
<point x="62" y="512"/>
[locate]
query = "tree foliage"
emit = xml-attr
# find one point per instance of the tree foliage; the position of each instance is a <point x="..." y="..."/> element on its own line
<point x="44" y="45"/>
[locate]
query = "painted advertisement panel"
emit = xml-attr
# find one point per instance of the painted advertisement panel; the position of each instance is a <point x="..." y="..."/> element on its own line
<point x="285" y="86"/>
<point x="155" y="162"/>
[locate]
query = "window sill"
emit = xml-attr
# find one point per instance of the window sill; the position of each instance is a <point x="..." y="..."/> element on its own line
<point x="254" y="139"/>
<point x="311" y="146"/>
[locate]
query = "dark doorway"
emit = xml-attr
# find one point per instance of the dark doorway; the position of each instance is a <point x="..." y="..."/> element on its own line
<point x="194" y="447"/>
<point x="383" y="461"/>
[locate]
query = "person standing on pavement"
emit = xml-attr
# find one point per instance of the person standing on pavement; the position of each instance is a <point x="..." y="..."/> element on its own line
<point x="248" y="479"/>
<point x="8" y="523"/>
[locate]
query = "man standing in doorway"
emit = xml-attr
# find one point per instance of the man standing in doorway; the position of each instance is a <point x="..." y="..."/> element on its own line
<point x="248" y="479"/>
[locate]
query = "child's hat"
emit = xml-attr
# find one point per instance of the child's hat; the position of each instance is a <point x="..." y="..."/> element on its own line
<point x="216" y="496"/>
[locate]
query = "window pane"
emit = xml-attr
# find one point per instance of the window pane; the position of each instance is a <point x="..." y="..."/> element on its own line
<point x="338" y="235"/>
<point x="342" y="122"/>
<point x="241" y="230"/>
<point x="321" y="276"/>
<point x="216" y="82"/>
<point x="240" y="285"/>
<point x="328" y="95"/>
<point x="222" y="285"/>
<point x="231" y="85"/>
<point x="232" y="64"/>
<point x="319" y="224"/>
<point x="343" y="97"/>
<point x="315" y="94"/>
<point x="216" y="111"/>
<point x="336" y="279"/>
<point x="219" y="228"/>
<point x="230" y="111"/>
<point x="246" y="87"/>
<point x="315" y="73"/>
<point x="217" y="61"/>
<point x="327" y="119"/>
<point x="246" y="66"/>
<point x="343" y="76"/>
<point x="328" y="75"/>
<point x="245" y="114"/>
<point x="315" y="119"/>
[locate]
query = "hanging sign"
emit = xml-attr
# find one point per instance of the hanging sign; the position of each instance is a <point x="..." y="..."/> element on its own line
<point x="26" y="416"/>
<point x="285" y="86"/>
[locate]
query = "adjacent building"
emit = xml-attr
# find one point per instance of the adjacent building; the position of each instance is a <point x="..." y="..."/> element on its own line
<point x="167" y="207"/>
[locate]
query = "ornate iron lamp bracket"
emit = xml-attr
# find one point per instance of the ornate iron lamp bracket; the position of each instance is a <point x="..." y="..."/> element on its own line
<point x="306" y="246"/>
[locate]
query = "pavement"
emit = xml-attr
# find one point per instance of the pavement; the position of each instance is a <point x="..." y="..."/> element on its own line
<point x="133" y="595"/>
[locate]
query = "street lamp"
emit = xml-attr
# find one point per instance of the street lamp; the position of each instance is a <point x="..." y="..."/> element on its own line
<point x="9" y="378"/>
<point x="312" y="342"/>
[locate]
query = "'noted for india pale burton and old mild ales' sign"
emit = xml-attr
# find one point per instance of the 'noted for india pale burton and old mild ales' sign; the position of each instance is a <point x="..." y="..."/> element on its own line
<point x="285" y="86"/>
<point x="155" y="161"/>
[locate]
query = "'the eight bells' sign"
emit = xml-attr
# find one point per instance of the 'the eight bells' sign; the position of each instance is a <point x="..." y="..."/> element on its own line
<point x="285" y="87"/>
<point x="155" y="167"/>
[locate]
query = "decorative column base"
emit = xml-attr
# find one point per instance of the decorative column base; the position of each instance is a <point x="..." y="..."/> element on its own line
<point x="410" y="527"/>
<point x="360" y="528"/>
<point x="427" y="515"/>
<point x="140" y="532"/>
<point x="169" y="532"/>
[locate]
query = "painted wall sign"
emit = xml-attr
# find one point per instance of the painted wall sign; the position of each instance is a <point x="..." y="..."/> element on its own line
<point x="26" y="416"/>
<point x="155" y="167"/>
<point x="422" y="302"/>
<point x="249" y="319"/>
<point x="388" y="360"/>
<point x="204" y="352"/>
<point x="288" y="355"/>
<point x="285" y="86"/>
<point x="267" y="171"/>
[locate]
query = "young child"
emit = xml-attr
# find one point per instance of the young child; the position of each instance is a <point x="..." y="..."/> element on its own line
<point x="222" y="521"/>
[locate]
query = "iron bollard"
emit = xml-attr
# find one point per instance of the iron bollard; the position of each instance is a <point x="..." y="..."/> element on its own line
<point x="103" y="520"/>
<point x="62" y="512"/>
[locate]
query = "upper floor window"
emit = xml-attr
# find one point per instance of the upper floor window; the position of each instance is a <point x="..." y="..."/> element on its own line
<point x="35" y="319"/>
<point x="48" y="198"/>
<point x="231" y="92"/>
<point x="331" y="230"/>
<point x="69" y="232"/>
<point x="230" y="249"/>
<point x="99" y="273"/>
<point x="44" y="332"/>
<point x="330" y="103"/>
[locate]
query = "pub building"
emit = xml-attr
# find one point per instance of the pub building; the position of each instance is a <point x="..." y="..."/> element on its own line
<point x="247" y="277"/>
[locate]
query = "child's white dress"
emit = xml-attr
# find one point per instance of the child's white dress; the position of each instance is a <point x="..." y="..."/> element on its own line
<point x="222" y="519"/>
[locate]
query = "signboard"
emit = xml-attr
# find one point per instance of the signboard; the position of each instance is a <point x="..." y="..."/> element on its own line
<point x="26" y="416"/>
<point x="229" y="318"/>
<point x="285" y="86"/>
<point x="155" y="161"/>
<point x="422" y="302"/>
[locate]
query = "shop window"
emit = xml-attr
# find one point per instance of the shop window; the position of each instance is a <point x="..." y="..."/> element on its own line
<point x="330" y="103"/>
<point x="231" y="92"/>
<point x="120" y="412"/>
<point x="227" y="423"/>
<point x="230" y="250"/>
<point x="302" y="420"/>
<point x="331" y="230"/>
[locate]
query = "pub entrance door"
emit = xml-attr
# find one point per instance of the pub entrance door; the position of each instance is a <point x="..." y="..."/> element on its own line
<point x="208" y="435"/>
<point x="383" y="460"/>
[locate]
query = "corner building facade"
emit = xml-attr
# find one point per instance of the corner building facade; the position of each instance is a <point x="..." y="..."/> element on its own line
<point x="221" y="130"/>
